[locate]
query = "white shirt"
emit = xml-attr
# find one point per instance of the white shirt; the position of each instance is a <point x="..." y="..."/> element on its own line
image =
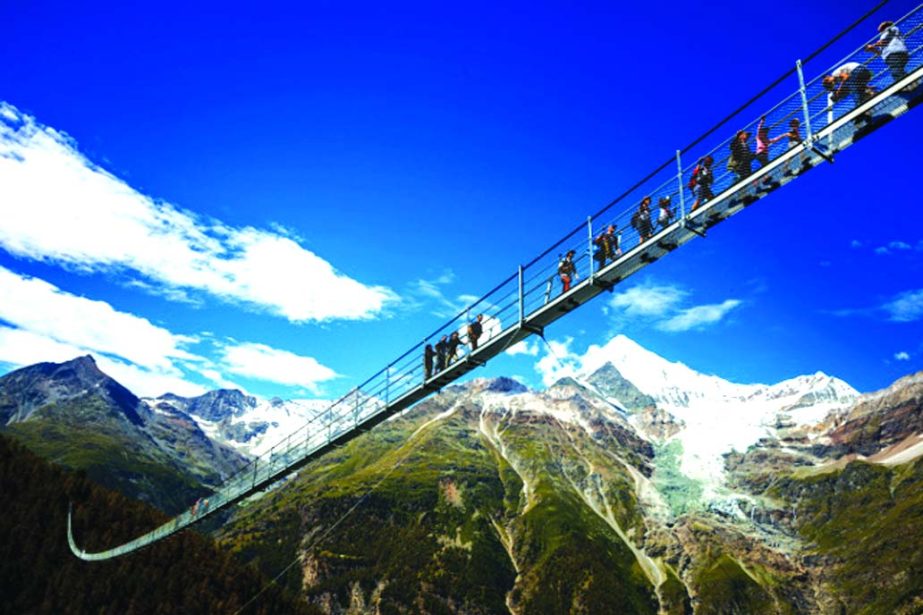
<point x="894" y="43"/>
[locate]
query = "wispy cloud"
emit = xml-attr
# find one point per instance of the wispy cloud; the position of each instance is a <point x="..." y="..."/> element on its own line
<point x="273" y="365"/>
<point x="662" y="307"/>
<point x="648" y="300"/>
<point x="433" y="294"/>
<point x="898" y="246"/>
<point x="906" y="307"/>
<point x="38" y="307"/>
<point x="61" y="208"/>
<point x="902" y="356"/>
<point x="698" y="316"/>
<point x="45" y="323"/>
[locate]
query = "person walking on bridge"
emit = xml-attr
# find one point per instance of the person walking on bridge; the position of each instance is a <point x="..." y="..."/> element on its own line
<point x="665" y="213"/>
<point x="642" y="221"/>
<point x="441" y="348"/>
<point x="451" y="350"/>
<point x="701" y="181"/>
<point x="475" y="329"/>
<point x="741" y="159"/>
<point x="892" y="49"/>
<point x="850" y="79"/>
<point x="428" y="355"/>
<point x="608" y="247"/>
<point x="567" y="272"/>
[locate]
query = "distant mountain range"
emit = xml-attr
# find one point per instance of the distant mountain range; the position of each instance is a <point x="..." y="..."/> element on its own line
<point x="78" y="416"/>
<point x="245" y="423"/>
<point x="636" y="486"/>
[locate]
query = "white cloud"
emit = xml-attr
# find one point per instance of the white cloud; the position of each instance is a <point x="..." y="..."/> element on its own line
<point x="855" y="243"/>
<point x="698" y="316"/>
<point x="523" y="348"/>
<point x="48" y="324"/>
<point x="66" y="320"/>
<point x="894" y="246"/>
<point x="906" y="307"/>
<point x="661" y="306"/>
<point x="61" y="208"/>
<point x="20" y="348"/>
<point x="646" y="300"/>
<point x="218" y="379"/>
<point x="902" y="356"/>
<point x="149" y="383"/>
<point x="273" y="365"/>
<point x="559" y="362"/>
<point x="433" y="292"/>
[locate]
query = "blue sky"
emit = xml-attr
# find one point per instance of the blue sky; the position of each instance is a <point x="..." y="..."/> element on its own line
<point x="284" y="197"/>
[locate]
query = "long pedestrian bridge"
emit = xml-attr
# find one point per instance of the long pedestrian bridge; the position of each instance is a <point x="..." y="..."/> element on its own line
<point x="531" y="298"/>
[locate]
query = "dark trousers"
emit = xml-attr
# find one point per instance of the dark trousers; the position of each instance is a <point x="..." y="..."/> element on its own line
<point x="897" y="63"/>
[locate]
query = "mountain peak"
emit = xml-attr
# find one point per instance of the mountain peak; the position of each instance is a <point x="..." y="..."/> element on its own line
<point x="497" y="385"/>
<point x="33" y="387"/>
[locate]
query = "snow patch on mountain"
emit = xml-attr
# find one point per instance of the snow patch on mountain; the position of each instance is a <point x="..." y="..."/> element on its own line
<point x="248" y="424"/>
<point x="718" y="415"/>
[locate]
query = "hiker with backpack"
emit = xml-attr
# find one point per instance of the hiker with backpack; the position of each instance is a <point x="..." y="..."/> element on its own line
<point x="567" y="271"/>
<point x="741" y="160"/>
<point x="608" y="247"/>
<point x="700" y="182"/>
<point x="850" y="79"/>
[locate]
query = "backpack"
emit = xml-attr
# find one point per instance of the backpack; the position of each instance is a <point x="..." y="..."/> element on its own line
<point x="695" y="177"/>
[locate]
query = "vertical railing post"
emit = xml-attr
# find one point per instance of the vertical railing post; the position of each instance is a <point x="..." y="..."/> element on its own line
<point x="522" y="310"/>
<point x="388" y="386"/>
<point x="356" y="410"/>
<point x="589" y="246"/>
<point x="256" y="465"/>
<point x="465" y="326"/>
<point x="804" y="104"/>
<point x="679" y="179"/>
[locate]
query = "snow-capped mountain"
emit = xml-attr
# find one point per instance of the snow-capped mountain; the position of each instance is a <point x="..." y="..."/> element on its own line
<point x="716" y="416"/>
<point x="246" y="423"/>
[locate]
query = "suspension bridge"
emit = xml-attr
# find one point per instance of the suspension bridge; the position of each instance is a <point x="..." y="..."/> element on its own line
<point x="531" y="298"/>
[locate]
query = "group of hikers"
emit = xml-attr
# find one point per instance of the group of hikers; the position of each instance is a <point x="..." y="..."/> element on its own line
<point x="850" y="79"/>
<point x="438" y="356"/>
